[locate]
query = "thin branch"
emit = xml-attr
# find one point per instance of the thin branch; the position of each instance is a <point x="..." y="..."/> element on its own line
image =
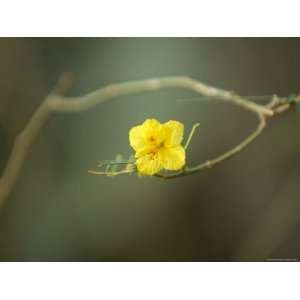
<point x="210" y="163"/>
<point x="195" y="126"/>
<point x="61" y="104"/>
<point x="56" y="102"/>
<point x="111" y="174"/>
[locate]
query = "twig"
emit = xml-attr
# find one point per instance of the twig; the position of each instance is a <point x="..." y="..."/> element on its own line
<point x="221" y="158"/>
<point x="56" y="102"/>
<point x="115" y="173"/>
<point x="191" y="135"/>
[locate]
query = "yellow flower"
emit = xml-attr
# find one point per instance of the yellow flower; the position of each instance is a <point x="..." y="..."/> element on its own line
<point x="158" y="146"/>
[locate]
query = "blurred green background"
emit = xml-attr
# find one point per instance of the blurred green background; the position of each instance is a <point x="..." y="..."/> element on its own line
<point x="247" y="208"/>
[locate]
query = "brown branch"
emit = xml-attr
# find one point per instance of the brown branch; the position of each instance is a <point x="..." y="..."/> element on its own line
<point x="55" y="102"/>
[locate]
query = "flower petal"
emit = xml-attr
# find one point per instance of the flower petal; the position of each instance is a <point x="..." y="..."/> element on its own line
<point x="144" y="151"/>
<point x="149" y="164"/>
<point x="151" y="124"/>
<point x="175" y="133"/>
<point x="172" y="158"/>
<point x="154" y="132"/>
<point x="136" y="138"/>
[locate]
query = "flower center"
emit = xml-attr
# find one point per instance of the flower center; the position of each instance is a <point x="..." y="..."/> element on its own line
<point x="152" y="138"/>
<point x="161" y="145"/>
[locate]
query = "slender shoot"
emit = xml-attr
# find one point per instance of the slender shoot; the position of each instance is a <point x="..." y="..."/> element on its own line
<point x="195" y="126"/>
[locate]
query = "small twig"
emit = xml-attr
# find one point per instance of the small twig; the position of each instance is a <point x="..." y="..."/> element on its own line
<point x="109" y="163"/>
<point x="274" y="101"/>
<point x="56" y="102"/>
<point x="195" y="126"/>
<point x="122" y="172"/>
<point x="221" y="158"/>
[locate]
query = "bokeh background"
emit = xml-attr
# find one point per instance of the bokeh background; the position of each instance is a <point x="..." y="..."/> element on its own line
<point x="247" y="208"/>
